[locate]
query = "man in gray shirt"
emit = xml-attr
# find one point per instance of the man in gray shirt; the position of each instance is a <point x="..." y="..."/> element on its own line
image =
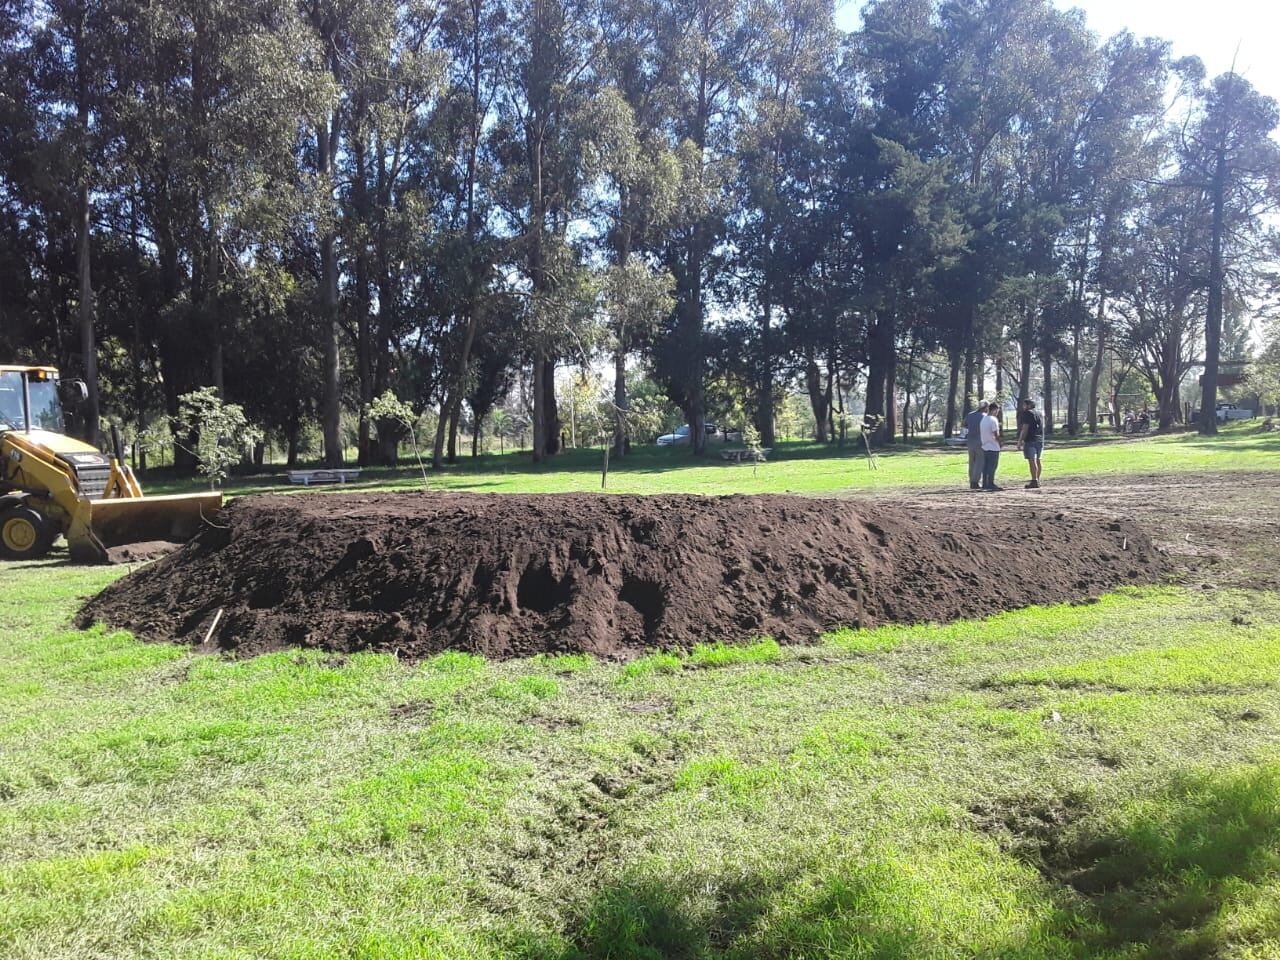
<point x="973" y="441"/>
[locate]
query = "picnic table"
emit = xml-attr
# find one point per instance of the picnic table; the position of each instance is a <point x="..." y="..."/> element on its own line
<point x="743" y="454"/>
<point x="327" y="475"/>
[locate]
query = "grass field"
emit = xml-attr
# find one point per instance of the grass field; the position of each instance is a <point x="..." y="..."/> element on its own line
<point x="799" y="467"/>
<point x="1098" y="780"/>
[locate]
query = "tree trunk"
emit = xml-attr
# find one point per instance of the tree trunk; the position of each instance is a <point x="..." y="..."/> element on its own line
<point x="363" y="303"/>
<point x="442" y="426"/>
<point x="551" y="407"/>
<point x="891" y="398"/>
<point x="880" y="350"/>
<point x="1073" y="385"/>
<point x="1095" y="375"/>
<point x="454" y="416"/>
<point x="473" y="281"/>
<point x="292" y="432"/>
<point x="953" y="385"/>
<point x="619" y="403"/>
<point x="207" y="299"/>
<point x="139" y="391"/>
<point x="1025" y="348"/>
<point x="968" y="380"/>
<point x="330" y="407"/>
<point x="834" y="373"/>
<point x="88" y="339"/>
<point x="819" y="401"/>
<point x="84" y="216"/>
<point x="539" y="425"/>
<point x="906" y="409"/>
<point x="765" y="414"/>
<point x="1047" y="362"/>
<point x="1213" y="322"/>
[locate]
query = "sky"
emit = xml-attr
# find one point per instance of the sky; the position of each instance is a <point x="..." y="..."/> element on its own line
<point x="1211" y="31"/>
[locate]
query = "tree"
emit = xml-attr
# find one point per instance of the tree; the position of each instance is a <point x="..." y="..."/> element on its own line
<point x="711" y="45"/>
<point x="1162" y="295"/>
<point x="221" y="431"/>
<point x="1229" y="152"/>
<point x="551" y="136"/>
<point x="636" y="300"/>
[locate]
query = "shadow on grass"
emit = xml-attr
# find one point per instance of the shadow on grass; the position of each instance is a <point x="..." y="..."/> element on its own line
<point x="653" y="920"/>
<point x="1162" y="876"/>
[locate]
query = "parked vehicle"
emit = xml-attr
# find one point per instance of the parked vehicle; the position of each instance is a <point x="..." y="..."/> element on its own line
<point x="1226" y="411"/>
<point x="682" y="435"/>
<point x="677" y="439"/>
<point x="1229" y="411"/>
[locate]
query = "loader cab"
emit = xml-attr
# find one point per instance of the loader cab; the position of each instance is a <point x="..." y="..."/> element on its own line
<point x="31" y="399"/>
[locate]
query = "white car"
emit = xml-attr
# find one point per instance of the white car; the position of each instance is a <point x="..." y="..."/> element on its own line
<point x="677" y="439"/>
<point x="1229" y="411"/>
<point x="683" y="433"/>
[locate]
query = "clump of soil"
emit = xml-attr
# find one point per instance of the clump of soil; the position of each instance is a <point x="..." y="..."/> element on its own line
<point x="612" y="576"/>
<point x="140" y="552"/>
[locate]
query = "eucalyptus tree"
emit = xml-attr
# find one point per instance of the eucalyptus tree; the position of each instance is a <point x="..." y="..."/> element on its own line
<point x="1162" y="297"/>
<point x="998" y="66"/>
<point x="712" y="46"/>
<point x="36" y="216"/>
<point x="639" y="195"/>
<point x="396" y="194"/>
<point x="208" y="193"/>
<point x="819" y="277"/>
<point x="636" y="299"/>
<point x="473" y="40"/>
<point x="70" y="57"/>
<point x="776" y="161"/>
<point x="336" y="28"/>
<point x="1119" y="149"/>
<point x="1228" y="151"/>
<point x="552" y="137"/>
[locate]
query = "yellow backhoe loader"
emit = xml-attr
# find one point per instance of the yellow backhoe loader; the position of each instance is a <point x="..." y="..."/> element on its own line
<point x="53" y="484"/>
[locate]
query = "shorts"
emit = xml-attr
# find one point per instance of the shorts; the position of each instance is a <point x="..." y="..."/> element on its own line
<point x="1032" y="449"/>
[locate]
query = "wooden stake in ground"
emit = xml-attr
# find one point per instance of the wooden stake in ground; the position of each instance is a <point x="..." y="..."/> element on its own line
<point x="217" y="618"/>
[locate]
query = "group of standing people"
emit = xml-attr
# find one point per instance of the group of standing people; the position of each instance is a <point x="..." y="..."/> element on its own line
<point x="983" y="439"/>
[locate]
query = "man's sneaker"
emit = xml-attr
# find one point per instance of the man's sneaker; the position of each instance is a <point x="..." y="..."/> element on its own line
<point x="993" y="489"/>
<point x="974" y="486"/>
<point x="1033" y="485"/>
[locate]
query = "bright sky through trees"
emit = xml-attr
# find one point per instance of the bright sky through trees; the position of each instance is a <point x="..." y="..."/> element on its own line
<point x="1211" y="32"/>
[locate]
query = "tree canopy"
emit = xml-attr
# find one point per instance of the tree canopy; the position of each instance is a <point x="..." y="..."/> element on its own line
<point x="306" y="205"/>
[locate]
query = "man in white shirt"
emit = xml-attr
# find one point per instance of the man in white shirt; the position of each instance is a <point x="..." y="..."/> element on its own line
<point x="990" y="428"/>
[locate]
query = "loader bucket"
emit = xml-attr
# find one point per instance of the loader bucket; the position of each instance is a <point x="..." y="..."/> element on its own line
<point x="114" y="522"/>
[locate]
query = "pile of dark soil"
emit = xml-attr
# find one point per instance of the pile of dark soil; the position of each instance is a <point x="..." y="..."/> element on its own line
<point x="613" y="576"/>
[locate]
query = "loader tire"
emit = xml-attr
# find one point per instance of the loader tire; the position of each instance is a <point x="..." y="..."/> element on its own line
<point x="25" y="534"/>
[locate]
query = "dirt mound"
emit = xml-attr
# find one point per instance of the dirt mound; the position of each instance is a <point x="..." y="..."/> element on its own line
<point x="610" y="575"/>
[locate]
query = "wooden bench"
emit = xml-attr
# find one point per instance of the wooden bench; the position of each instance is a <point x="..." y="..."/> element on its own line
<point x="329" y="475"/>
<point x="743" y="455"/>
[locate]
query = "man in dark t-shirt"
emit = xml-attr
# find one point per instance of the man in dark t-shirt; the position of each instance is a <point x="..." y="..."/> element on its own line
<point x="1031" y="439"/>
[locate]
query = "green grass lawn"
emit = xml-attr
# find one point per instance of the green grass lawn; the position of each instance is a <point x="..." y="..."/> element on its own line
<point x="1098" y="780"/>
<point x="800" y="467"/>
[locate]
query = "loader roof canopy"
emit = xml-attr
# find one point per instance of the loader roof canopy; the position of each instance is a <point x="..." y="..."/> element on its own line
<point x="42" y="389"/>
